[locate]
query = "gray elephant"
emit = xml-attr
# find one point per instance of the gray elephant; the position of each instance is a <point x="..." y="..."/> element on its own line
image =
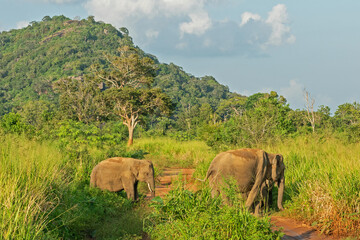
<point x="116" y="174"/>
<point x="252" y="169"/>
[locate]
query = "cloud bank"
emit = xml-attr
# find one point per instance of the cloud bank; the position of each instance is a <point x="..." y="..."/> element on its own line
<point x="60" y="1"/>
<point x="22" y="24"/>
<point x="186" y="28"/>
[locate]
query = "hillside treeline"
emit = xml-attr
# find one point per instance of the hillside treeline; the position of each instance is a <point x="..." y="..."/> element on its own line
<point x="81" y="53"/>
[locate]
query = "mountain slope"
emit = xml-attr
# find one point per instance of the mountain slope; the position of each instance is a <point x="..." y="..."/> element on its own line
<point x="33" y="57"/>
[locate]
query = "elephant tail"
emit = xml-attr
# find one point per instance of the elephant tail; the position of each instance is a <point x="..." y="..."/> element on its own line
<point x="209" y="172"/>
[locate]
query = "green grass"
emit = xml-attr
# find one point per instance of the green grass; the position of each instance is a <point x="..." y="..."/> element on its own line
<point x="322" y="176"/>
<point x="168" y="152"/>
<point x="186" y="215"/>
<point x="45" y="191"/>
<point x="27" y="177"/>
<point x="322" y="182"/>
<point x="45" y="194"/>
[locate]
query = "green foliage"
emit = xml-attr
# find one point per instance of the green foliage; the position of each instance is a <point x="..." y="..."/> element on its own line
<point x="187" y="215"/>
<point x="14" y="123"/>
<point x="57" y="47"/>
<point x="78" y="98"/>
<point x="266" y="121"/>
<point x="347" y="121"/>
<point x="37" y="113"/>
<point x="71" y="132"/>
<point x="186" y="90"/>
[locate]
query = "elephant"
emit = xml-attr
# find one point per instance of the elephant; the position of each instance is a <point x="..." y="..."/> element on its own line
<point x="254" y="171"/>
<point x="117" y="173"/>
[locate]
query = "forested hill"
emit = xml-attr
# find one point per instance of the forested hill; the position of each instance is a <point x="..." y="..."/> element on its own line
<point x="32" y="58"/>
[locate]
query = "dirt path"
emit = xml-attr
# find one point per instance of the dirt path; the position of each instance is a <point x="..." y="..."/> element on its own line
<point x="292" y="229"/>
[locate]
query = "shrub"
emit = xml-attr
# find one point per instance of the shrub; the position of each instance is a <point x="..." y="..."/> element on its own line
<point x="187" y="215"/>
<point x="14" y="123"/>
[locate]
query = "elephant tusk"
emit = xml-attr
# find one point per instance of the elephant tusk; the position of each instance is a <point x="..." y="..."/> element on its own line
<point x="149" y="187"/>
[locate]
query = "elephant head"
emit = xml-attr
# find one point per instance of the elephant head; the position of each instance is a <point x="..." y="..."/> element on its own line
<point x="144" y="172"/>
<point x="277" y="175"/>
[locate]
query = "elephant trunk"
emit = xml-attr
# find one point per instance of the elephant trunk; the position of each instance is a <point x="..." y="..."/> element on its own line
<point x="281" y="187"/>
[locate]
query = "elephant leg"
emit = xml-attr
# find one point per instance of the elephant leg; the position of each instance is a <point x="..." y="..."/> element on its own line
<point x="252" y="195"/>
<point x="257" y="208"/>
<point x="136" y="193"/>
<point x="270" y="198"/>
<point x="129" y="189"/>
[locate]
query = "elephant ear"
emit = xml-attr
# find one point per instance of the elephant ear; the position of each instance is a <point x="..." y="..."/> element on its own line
<point x="276" y="161"/>
<point x="280" y="161"/>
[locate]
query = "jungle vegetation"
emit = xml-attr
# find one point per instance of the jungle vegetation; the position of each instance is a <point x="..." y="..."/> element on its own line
<point x="67" y="102"/>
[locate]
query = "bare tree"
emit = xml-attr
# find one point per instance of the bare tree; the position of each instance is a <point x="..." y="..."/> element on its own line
<point x="310" y="113"/>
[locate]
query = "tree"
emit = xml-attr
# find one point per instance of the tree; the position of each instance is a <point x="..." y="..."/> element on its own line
<point x="347" y="121"/>
<point x="310" y="113"/>
<point x="130" y="104"/>
<point x="128" y="95"/>
<point x="267" y="119"/>
<point x="78" y="98"/>
<point x="232" y="106"/>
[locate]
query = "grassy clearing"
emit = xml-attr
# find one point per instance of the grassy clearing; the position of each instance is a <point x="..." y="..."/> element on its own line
<point x="46" y="194"/>
<point x="322" y="182"/>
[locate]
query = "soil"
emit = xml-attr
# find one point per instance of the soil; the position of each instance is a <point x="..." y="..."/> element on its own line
<point x="292" y="228"/>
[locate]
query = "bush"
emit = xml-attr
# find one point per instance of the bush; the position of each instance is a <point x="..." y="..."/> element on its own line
<point x="14" y="123"/>
<point x="187" y="215"/>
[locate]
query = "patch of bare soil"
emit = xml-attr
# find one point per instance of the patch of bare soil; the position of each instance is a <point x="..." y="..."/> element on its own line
<point x="291" y="228"/>
<point x="297" y="230"/>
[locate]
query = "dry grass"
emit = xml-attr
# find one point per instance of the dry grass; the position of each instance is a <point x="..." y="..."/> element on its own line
<point x="323" y="182"/>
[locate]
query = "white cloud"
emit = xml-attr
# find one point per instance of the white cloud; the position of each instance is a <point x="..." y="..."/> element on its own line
<point x="199" y="24"/>
<point x="294" y="93"/>
<point x="247" y="16"/>
<point x="186" y="27"/>
<point x="22" y="24"/>
<point x="152" y="33"/>
<point x="277" y="19"/>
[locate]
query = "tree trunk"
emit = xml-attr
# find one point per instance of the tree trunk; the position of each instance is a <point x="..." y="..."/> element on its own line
<point x="131" y="135"/>
<point x="131" y="124"/>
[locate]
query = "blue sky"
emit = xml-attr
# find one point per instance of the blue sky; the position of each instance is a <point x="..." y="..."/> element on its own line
<point x="249" y="45"/>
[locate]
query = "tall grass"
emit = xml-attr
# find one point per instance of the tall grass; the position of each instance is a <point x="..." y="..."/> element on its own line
<point x="186" y="215"/>
<point x="322" y="182"/>
<point x="167" y="152"/>
<point x="45" y="194"/>
<point x="27" y="174"/>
